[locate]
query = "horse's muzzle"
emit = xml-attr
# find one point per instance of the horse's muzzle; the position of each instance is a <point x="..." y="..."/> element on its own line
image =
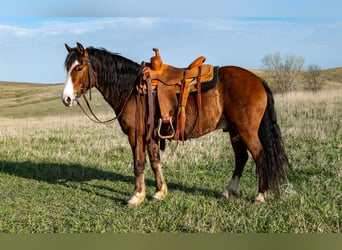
<point x="69" y="101"/>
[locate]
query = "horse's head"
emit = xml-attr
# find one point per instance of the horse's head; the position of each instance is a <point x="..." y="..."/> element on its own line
<point x="80" y="75"/>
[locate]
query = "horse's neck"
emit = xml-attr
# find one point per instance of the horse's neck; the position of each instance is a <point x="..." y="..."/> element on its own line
<point x="116" y="86"/>
<point x="109" y="97"/>
<point x="115" y="99"/>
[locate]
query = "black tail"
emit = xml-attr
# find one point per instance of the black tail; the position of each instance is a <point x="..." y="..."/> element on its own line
<point x="274" y="157"/>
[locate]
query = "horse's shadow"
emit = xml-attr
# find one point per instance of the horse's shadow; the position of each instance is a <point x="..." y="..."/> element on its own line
<point x="63" y="174"/>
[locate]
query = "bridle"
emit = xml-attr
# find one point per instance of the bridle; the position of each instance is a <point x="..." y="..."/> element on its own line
<point x="92" y="78"/>
<point x="91" y="115"/>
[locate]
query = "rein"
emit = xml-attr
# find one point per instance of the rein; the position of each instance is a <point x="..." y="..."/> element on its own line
<point x="91" y="115"/>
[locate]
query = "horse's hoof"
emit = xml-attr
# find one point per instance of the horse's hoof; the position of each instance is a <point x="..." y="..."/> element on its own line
<point x="260" y="199"/>
<point x="228" y="193"/>
<point x="160" y="195"/>
<point x="136" y="199"/>
<point x="231" y="188"/>
<point x="225" y="195"/>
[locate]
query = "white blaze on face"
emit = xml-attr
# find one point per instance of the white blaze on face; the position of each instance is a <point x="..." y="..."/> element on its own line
<point x="68" y="95"/>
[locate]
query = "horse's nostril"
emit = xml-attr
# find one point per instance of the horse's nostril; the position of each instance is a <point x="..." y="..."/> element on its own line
<point x="67" y="101"/>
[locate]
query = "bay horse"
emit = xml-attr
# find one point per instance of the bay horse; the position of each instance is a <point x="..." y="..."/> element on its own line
<point x="241" y="104"/>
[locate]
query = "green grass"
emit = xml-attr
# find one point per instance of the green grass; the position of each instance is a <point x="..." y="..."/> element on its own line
<point x="59" y="172"/>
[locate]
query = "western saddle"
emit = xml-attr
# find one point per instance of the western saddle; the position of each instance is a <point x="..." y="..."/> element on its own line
<point x="173" y="86"/>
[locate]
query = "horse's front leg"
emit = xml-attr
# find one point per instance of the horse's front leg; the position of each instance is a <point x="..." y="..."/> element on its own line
<point x="161" y="187"/>
<point x="139" y="156"/>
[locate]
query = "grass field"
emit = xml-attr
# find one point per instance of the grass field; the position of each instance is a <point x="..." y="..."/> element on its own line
<point x="59" y="172"/>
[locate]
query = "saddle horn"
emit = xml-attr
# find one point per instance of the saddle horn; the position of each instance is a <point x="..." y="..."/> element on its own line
<point x="156" y="60"/>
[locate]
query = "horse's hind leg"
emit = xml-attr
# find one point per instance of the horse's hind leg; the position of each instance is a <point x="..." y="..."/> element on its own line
<point x="241" y="157"/>
<point x="161" y="187"/>
<point x="254" y="146"/>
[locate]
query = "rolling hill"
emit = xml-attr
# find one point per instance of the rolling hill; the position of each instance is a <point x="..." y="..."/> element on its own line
<point x="21" y="100"/>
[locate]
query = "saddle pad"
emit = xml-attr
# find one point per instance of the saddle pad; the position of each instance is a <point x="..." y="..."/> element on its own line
<point x="205" y="86"/>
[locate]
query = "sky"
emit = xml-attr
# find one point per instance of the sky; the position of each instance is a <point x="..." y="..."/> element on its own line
<point x="226" y="32"/>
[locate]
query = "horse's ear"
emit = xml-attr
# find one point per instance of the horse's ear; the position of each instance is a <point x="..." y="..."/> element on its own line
<point x="69" y="49"/>
<point x="80" y="48"/>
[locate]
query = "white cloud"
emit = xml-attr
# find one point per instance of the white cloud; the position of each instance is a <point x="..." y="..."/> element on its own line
<point x="96" y="24"/>
<point x="78" y="27"/>
<point x="7" y="30"/>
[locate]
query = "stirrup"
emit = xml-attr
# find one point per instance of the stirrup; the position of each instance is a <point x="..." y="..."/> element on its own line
<point x="166" y="136"/>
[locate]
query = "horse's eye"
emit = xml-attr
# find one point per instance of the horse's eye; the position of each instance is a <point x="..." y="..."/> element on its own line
<point x="79" y="68"/>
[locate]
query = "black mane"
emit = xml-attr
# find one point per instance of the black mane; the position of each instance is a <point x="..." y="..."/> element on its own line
<point x="116" y="73"/>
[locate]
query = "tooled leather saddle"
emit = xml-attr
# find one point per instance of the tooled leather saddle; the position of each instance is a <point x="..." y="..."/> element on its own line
<point x="173" y="86"/>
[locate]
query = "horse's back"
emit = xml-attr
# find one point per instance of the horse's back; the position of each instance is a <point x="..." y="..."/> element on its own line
<point x="240" y="81"/>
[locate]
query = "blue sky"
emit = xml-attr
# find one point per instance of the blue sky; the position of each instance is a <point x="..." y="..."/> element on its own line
<point x="225" y="32"/>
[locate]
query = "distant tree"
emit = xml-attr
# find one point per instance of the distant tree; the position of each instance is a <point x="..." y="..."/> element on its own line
<point x="313" y="79"/>
<point x="283" y="71"/>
